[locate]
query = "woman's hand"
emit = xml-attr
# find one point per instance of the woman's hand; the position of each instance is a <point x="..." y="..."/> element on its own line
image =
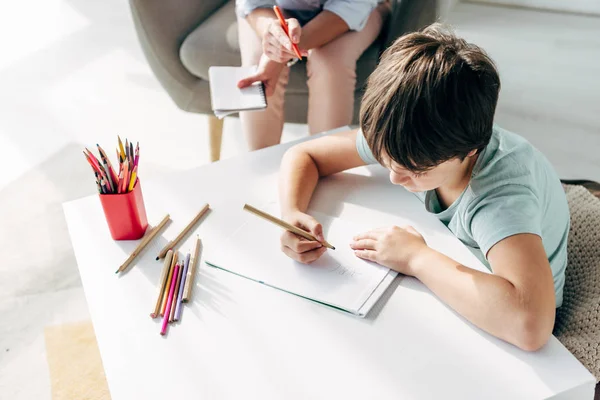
<point x="301" y="249"/>
<point x="392" y="247"/>
<point x="268" y="72"/>
<point x="277" y="45"/>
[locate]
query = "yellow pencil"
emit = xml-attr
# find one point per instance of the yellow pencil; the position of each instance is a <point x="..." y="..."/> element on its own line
<point x="122" y="150"/>
<point x="133" y="178"/>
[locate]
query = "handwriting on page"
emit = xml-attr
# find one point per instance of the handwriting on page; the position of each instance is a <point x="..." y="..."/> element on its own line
<point x="333" y="266"/>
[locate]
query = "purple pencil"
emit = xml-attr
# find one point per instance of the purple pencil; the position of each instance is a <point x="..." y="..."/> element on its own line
<point x="181" y="285"/>
<point x="169" y="302"/>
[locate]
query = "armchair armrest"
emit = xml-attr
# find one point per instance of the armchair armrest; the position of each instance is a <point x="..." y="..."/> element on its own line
<point x="161" y="27"/>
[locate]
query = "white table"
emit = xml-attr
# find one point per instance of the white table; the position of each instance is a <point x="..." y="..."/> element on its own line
<point x="241" y="340"/>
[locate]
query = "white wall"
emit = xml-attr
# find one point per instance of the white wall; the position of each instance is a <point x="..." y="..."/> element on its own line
<point x="579" y="6"/>
<point x="445" y="6"/>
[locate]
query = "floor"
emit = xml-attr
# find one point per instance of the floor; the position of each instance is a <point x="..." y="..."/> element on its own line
<point x="72" y="75"/>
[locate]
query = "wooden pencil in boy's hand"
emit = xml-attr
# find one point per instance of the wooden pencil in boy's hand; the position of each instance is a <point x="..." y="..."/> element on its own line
<point x="162" y="283"/>
<point x="185" y="230"/>
<point x="285" y="225"/>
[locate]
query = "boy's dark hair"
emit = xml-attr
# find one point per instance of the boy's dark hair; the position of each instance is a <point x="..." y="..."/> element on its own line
<point x="432" y="98"/>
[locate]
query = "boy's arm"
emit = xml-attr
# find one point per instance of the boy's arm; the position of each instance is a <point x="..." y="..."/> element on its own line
<point x="515" y="303"/>
<point x="305" y="163"/>
<point x="301" y="168"/>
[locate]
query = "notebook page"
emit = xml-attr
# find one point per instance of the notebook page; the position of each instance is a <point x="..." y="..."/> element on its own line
<point x="226" y="96"/>
<point x="338" y="278"/>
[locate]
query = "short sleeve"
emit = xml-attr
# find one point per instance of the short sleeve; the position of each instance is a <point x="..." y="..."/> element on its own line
<point x="505" y="211"/>
<point x="245" y="7"/>
<point x="363" y="149"/>
<point x="355" y="13"/>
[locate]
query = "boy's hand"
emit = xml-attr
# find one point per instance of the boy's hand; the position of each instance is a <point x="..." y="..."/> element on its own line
<point x="268" y="72"/>
<point x="298" y="248"/>
<point x="391" y="247"/>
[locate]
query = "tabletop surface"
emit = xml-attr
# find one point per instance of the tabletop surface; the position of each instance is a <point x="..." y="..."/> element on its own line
<point x="239" y="339"/>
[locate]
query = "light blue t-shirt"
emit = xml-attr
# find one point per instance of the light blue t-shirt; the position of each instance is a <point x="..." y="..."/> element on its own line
<point x="513" y="189"/>
<point x="355" y="13"/>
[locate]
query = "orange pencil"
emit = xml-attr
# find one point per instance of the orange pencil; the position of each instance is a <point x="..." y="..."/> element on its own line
<point x="285" y="29"/>
<point x="163" y="304"/>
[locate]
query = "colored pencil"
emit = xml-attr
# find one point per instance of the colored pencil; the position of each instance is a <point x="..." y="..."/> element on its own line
<point x="162" y="283"/>
<point x="108" y="164"/>
<point x="131" y="154"/>
<point x="185" y="230"/>
<point x="285" y="225"/>
<point x="137" y="154"/>
<point x="147" y="238"/>
<point x="102" y="165"/>
<point x="191" y="272"/>
<point x="176" y="293"/>
<point x="122" y="151"/>
<point x="126" y="174"/>
<point x="95" y="164"/>
<point x="163" y="305"/>
<point x="133" y="178"/>
<point x="284" y="26"/>
<point x="89" y="160"/>
<point x="169" y="301"/>
<point x="181" y="287"/>
<point x="104" y="171"/>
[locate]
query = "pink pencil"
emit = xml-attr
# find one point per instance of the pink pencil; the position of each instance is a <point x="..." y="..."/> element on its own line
<point x="169" y="302"/>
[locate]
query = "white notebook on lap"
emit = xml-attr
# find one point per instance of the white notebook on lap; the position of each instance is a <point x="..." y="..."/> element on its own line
<point x="338" y="279"/>
<point x="227" y="98"/>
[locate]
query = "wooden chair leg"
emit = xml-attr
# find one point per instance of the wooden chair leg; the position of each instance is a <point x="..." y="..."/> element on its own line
<point x="215" y="129"/>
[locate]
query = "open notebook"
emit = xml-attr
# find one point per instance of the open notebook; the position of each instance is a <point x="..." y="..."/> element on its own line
<point x="338" y="279"/>
<point x="227" y="98"/>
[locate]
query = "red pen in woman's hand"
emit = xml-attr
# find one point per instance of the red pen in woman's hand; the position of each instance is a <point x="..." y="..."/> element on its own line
<point x="285" y="29"/>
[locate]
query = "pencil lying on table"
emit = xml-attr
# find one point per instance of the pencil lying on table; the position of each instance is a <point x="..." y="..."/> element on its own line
<point x="179" y="304"/>
<point x="163" y="304"/>
<point x="176" y="293"/>
<point x="285" y="225"/>
<point x="191" y="272"/>
<point x="147" y="239"/>
<point x="169" y="302"/>
<point x="185" y="230"/>
<point x="162" y="283"/>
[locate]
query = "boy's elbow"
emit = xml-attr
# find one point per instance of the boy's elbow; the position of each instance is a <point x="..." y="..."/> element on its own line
<point x="533" y="331"/>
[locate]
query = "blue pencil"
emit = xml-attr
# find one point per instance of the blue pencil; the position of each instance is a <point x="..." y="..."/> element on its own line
<point x="181" y="286"/>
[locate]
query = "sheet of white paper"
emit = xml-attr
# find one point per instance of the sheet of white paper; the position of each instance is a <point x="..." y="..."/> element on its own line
<point x="338" y="278"/>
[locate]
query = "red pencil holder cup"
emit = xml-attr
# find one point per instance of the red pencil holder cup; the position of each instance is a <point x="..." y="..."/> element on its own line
<point x="125" y="214"/>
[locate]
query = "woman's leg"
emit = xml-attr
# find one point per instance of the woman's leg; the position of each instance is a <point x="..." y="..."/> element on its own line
<point x="261" y="128"/>
<point x="332" y="76"/>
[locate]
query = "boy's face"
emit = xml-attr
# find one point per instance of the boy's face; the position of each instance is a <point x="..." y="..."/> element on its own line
<point x="435" y="177"/>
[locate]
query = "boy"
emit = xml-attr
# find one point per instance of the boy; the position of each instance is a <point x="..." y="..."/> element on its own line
<point x="427" y="116"/>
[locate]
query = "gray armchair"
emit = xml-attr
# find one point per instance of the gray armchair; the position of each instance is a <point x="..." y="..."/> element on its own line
<point x="183" y="38"/>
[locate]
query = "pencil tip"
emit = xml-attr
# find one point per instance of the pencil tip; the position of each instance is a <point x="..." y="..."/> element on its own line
<point x="157" y="257"/>
<point x="332" y="247"/>
<point x="117" y="271"/>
